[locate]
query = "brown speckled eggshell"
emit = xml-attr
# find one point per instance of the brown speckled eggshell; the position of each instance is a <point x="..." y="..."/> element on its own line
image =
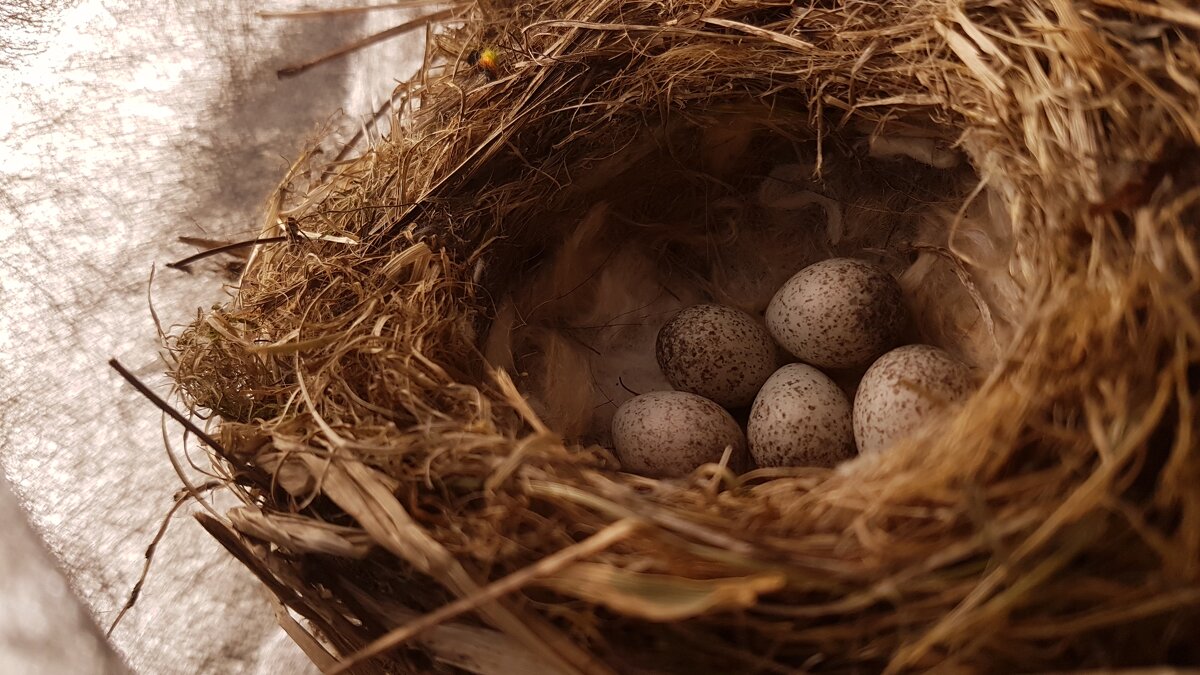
<point x="903" y="390"/>
<point x="838" y="313"/>
<point x="665" y="434"/>
<point x="720" y="353"/>
<point x="800" y="418"/>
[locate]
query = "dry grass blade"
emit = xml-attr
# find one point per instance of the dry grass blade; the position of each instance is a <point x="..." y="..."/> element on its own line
<point x="354" y="487"/>
<point x="474" y="649"/>
<point x="773" y="36"/>
<point x="658" y="597"/>
<point x="300" y="535"/>
<point x="513" y="582"/>
<point x="1175" y="14"/>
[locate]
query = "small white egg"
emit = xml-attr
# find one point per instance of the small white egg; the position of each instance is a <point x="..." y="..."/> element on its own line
<point x="671" y="433"/>
<point x="720" y="353"/>
<point x="838" y="313"/>
<point x="902" y="391"/>
<point x="800" y="418"/>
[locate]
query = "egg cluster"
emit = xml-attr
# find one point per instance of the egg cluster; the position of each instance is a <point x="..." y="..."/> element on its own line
<point x="832" y="318"/>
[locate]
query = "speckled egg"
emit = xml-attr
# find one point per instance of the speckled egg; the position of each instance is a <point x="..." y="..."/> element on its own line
<point x="838" y="313"/>
<point x="720" y="353"/>
<point x="903" y="390"/>
<point x="800" y="418"/>
<point x="670" y="433"/>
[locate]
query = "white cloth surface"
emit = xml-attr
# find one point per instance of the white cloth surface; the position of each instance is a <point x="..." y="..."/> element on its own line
<point x="38" y="613"/>
<point x="125" y="124"/>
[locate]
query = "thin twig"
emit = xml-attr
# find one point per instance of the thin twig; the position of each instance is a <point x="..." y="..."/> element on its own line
<point x="137" y="587"/>
<point x="382" y="110"/>
<point x="291" y="71"/>
<point x="166" y="407"/>
<point x="183" y="264"/>
<point x="136" y="591"/>
<point x="334" y="11"/>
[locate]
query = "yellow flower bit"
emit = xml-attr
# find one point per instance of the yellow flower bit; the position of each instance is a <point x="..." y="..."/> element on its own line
<point x="488" y="59"/>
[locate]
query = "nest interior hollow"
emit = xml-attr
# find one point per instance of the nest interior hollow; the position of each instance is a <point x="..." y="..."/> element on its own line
<point x="726" y="213"/>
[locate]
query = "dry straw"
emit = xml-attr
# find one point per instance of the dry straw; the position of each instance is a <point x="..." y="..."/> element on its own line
<point x="398" y="382"/>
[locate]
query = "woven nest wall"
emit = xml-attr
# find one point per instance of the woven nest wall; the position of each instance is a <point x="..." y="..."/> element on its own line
<point x="408" y="394"/>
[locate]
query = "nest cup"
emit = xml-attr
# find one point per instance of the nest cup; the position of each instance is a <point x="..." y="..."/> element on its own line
<point x="413" y="397"/>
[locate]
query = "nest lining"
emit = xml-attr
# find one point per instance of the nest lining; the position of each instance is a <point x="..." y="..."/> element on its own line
<point x="389" y="470"/>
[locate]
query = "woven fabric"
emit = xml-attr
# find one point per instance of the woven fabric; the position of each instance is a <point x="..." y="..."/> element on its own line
<point x="123" y="126"/>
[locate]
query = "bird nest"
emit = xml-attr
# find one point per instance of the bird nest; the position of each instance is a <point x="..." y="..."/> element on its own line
<point x="413" y="387"/>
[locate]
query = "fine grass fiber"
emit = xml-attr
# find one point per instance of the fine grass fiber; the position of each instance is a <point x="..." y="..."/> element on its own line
<point x="411" y="393"/>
